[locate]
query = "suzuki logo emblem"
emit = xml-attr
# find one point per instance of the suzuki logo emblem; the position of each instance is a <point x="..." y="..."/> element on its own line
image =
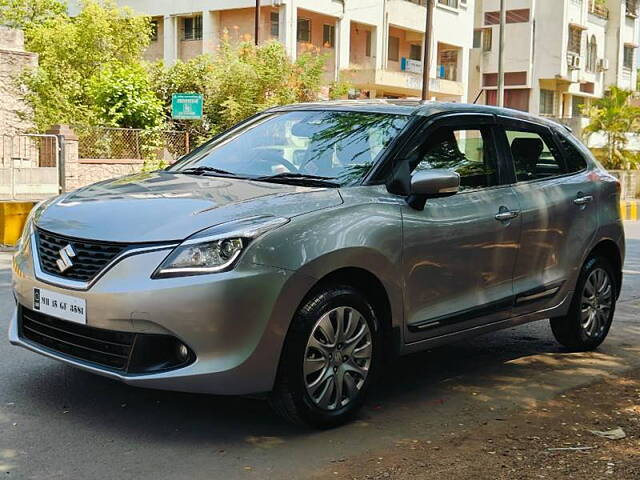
<point x="64" y="262"/>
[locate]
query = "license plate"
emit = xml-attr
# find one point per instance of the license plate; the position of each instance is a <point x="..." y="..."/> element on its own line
<point x="61" y="306"/>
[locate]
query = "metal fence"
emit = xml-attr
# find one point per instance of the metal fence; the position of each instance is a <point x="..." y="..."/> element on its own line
<point x="130" y="143"/>
<point x="29" y="166"/>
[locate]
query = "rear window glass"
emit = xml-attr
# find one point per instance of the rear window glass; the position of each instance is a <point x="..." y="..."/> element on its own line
<point x="573" y="156"/>
<point x="534" y="156"/>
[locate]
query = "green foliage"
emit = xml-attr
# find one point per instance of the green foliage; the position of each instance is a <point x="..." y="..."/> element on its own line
<point x="238" y="82"/>
<point x="24" y="14"/>
<point x="75" y="54"/>
<point x="122" y="97"/>
<point x="339" y="89"/>
<point x="615" y="118"/>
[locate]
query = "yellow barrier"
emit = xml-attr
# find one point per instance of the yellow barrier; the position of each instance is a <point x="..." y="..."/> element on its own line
<point x="12" y="218"/>
<point x="629" y="210"/>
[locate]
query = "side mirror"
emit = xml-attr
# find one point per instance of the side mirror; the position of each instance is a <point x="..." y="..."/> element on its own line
<point x="432" y="184"/>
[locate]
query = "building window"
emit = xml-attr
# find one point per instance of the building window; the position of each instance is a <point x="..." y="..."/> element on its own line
<point x="513" y="16"/>
<point x="592" y="54"/>
<point x="449" y="3"/>
<point x="577" y="106"/>
<point x="547" y="98"/>
<point x="632" y="8"/>
<point x="275" y="24"/>
<point x="628" y="57"/>
<point x="328" y="36"/>
<point x="415" y="52"/>
<point x="367" y="43"/>
<point x="448" y="64"/>
<point x="477" y="38"/>
<point x="154" y="30"/>
<point x="575" y="39"/>
<point x="304" y="30"/>
<point x="394" y="48"/>
<point x="193" y="28"/>
<point x="487" y="39"/>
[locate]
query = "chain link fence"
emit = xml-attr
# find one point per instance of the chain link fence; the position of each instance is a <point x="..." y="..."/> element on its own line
<point x="129" y="143"/>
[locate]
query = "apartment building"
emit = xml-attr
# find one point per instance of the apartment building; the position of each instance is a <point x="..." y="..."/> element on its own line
<point x="559" y="55"/>
<point x="376" y="44"/>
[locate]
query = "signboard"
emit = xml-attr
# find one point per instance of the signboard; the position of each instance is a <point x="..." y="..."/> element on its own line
<point x="186" y="106"/>
<point x="408" y="65"/>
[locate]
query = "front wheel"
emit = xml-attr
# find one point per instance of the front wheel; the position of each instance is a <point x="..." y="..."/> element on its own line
<point x="591" y="312"/>
<point x="329" y="360"/>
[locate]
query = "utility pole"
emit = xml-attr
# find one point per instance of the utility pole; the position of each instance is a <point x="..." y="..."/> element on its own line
<point x="426" y="63"/>
<point x="257" y="32"/>
<point x="503" y="18"/>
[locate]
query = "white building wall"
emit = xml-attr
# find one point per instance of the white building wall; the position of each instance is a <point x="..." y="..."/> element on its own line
<point x="540" y="47"/>
<point x="452" y="26"/>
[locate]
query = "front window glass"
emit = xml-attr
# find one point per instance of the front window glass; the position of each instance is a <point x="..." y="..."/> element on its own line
<point x="466" y="151"/>
<point x="341" y="146"/>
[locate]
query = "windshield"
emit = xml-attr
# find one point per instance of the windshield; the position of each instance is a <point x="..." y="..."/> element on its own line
<point x="337" y="146"/>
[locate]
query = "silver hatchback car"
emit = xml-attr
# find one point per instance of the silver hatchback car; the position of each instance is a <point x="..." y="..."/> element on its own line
<point x="295" y="252"/>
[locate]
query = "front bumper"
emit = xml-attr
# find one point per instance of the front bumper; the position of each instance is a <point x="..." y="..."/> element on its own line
<point x="234" y="322"/>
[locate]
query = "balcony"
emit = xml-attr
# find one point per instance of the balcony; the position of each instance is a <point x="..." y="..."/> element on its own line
<point x="403" y="83"/>
<point x="599" y="9"/>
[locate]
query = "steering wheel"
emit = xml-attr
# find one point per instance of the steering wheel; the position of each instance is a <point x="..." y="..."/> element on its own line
<point x="273" y="159"/>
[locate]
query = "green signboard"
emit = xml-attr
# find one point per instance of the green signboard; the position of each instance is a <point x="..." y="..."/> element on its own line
<point x="186" y="106"/>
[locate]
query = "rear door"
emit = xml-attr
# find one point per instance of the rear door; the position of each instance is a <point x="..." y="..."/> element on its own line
<point x="459" y="252"/>
<point x="557" y="208"/>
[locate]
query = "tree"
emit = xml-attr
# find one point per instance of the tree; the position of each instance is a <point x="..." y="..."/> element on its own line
<point x="24" y="14"/>
<point x="77" y="55"/>
<point x="614" y="117"/>
<point x="238" y="82"/>
<point x="121" y="97"/>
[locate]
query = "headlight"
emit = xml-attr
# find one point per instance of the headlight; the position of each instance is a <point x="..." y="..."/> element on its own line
<point x="215" y="249"/>
<point x="27" y="230"/>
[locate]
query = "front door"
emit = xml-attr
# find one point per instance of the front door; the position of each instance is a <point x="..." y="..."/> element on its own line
<point x="460" y="251"/>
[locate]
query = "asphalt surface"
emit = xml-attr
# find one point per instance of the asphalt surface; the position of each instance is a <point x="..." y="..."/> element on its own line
<point x="60" y="423"/>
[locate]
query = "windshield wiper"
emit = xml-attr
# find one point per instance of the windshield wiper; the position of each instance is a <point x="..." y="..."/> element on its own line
<point x="299" y="178"/>
<point x="202" y="170"/>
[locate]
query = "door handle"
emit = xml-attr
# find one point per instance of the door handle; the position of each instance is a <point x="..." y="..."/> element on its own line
<point x="583" y="200"/>
<point x="506" y="215"/>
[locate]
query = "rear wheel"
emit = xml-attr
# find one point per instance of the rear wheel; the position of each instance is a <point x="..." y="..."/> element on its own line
<point x="329" y="360"/>
<point x="587" y="324"/>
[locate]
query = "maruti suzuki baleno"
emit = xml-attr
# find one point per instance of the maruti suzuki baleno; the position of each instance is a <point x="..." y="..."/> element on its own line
<point x="295" y="253"/>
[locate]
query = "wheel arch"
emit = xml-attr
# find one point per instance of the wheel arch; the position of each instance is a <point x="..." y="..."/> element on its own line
<point x="374" y="290"/>
<point x="610" y="250"/>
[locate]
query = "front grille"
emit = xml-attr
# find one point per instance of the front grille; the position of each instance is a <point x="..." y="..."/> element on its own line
<point x="106" y="348"/>
<point x="90" y="258"/>
<point x="126" y="352"/>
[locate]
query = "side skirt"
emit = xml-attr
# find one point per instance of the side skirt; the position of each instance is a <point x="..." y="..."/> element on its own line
<point x="490" y="327"/>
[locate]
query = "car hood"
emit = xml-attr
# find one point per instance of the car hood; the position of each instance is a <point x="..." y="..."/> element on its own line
<point x="163" y="206"/>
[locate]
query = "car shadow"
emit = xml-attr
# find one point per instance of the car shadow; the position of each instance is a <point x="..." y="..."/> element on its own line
<point x="63" y="394"/>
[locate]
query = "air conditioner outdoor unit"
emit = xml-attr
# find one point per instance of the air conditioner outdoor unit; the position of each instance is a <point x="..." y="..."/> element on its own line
<point x="603" y="64"/>
<point x="575" y="62"/>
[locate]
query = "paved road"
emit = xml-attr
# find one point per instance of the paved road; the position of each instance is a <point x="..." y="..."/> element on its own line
<point x="60" y="423"/>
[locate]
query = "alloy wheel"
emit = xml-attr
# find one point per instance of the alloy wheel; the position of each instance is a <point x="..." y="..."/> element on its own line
<point x="596" y="304"/>
<point x="337" y="358"/>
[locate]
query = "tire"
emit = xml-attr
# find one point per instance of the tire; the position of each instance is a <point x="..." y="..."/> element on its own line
<point x="587" y="324"/>
<point x="335" y="360"/>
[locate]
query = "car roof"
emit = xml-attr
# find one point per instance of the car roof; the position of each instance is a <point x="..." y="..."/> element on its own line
<point x="417" y="108"/>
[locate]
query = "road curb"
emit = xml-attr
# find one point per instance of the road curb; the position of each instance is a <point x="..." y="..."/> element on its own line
<point x="12" y="218"/>
<point x="629" y="209"/>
